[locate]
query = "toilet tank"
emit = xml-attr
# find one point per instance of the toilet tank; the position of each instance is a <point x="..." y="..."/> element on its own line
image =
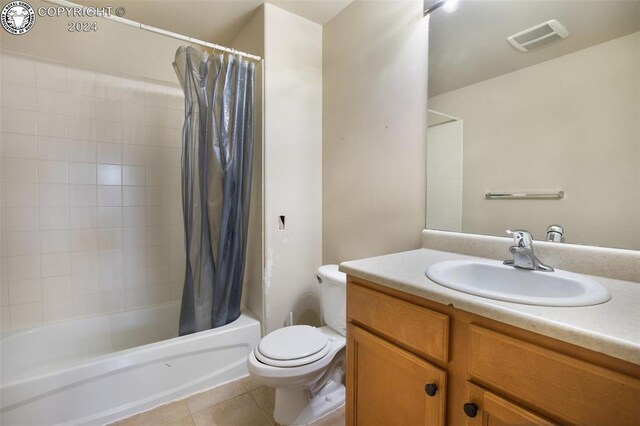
<point x="334" y="297"/>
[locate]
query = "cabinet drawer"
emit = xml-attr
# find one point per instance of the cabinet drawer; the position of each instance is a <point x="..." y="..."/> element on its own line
<point x="495" y="410"/>
<point x="421" y="330"/>
<point x="568" y="389"/>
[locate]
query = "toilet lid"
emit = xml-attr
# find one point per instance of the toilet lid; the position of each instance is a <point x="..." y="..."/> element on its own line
<point x="292" y="346"/>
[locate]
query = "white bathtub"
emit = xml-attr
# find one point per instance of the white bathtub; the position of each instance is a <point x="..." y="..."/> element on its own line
<point x="100" y="369"/>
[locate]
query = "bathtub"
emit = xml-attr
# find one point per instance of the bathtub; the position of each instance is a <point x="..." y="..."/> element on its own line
<point x="100" y="369"/>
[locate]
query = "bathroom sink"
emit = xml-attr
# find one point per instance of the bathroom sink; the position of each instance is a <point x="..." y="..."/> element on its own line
<point x="493" y="280"/>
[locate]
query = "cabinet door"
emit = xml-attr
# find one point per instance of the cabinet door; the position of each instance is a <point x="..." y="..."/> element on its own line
<point x="388" y="385"/>
<point x="488" y="409"/>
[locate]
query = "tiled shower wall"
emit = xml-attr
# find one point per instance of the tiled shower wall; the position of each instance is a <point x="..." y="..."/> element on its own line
<point x="91" y="219"/>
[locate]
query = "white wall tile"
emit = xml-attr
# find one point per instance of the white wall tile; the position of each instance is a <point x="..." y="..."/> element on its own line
<point x="134" y="216"/>
<point x="81" y="81"/>
<point x="21" y="194"/>
<point x="52" y="125"/>
<point x="51" y="76"/>
<point x="110" y="217"/>
<point x="86" y="305"/>
<point x="71" y="245"/>
<point x="4" y="294"/>
<point x="19" y="121"/>
<point x="157" y="255"/>
<point x="133" y="113"/>
<point x="83" y="195"/>
<point x="109" y="196"/>
<point x="111" y="280"/>
<point x="52" y="101"/>
<point x="83" y="217"/>
<point x="133" y="175"/>
<point x="55" y="264"/>
<point x="109" y="174"/>
<point x="82" y="173"/>
<point x="22" y="243"/>
<point x="133" y="134"/>
<point x="158" y="275"/>
<point x="81" y="106"/>
<point x="55" y="241"/>
<point x="159" y="294"/>
<point x="51" y="148"/>
<point x="108" y="86"/>
<point x="174" y="138"/>
<point x="112" y="301"/>
<point x="133" y="155"/>
<point x="57" y="310"/>
<point x="81" y="128"/>
<point x="135" y="237"/>
<point x="136" y="297"/>
<point x="82" y="151"/>
<point x="53" y="195"/>
<point x="23" y="219"/>
<point x="56" y="288"/>
<point x="108" y="110"/>
<point x="110" y="238"/>
<point x="84" y="240"/>
<point x="108" y="131"/>
<point x="156" y="156"/>
<point x="133" y="196"/>
<point x="110" y="260"/>
<point x="109" y="153"/>
<point x="18" y="69"/>
<point x="54" y="218"/>
<point x="135" y="277"/>
<point x="20" y="146"/>
<point x="83" y="262"/>
<point x="19" y="97"/>
<point x="156" y="94"/>
<point x="23" y="267"/>
<point x="175" y="119"/>
<point x="20" y="170"/>
<point x="26" y="315"/>
<point x="53" y="171"/>
<point x="155" y="116"/>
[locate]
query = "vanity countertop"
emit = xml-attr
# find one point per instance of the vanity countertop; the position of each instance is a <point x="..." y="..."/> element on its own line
<point x="612" y="328"/>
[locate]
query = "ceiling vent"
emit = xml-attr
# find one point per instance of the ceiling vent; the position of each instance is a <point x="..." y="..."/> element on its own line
<point x="538" y="36"/>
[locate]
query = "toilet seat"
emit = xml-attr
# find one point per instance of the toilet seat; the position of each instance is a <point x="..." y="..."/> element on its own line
<point x="292" y="346"/>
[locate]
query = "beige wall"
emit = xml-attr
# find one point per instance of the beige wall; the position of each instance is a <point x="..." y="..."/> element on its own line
<point x="374" y="129"/>
<point x="570" y="123"/>
<point x="251" y="39"/>
<point x="293" y="167"/>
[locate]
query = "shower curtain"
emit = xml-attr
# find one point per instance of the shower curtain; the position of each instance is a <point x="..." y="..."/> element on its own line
<point x="217" y="151"/>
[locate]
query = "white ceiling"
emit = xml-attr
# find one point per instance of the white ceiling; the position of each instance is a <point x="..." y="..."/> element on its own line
<point x="215" y="21"/>
<point x="470" y="45"/>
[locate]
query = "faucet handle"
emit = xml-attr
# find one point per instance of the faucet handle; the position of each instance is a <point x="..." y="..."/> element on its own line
<point x="521" y="237"/>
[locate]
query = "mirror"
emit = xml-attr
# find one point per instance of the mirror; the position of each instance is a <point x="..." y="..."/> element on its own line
<point x="543" y="129"/>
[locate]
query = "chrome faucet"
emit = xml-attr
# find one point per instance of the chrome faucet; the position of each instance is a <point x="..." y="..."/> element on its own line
<point x="523" y="254"/>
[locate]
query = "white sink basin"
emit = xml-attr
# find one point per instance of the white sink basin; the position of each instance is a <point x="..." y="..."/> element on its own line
<point x="494" y="280"/>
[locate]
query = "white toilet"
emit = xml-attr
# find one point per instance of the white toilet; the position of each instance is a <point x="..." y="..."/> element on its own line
<point x="306" y="364"/>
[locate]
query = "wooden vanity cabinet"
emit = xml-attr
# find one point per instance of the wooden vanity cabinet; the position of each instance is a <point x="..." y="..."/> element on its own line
<point x="391" y="384"/>
<point x="411" y="361"/>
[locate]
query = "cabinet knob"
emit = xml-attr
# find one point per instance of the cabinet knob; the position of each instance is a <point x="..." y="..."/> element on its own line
<point x="431" y="389"/>
<point x="470" y="409"/>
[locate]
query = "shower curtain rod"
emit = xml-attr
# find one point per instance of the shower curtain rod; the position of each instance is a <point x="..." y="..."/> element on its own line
<point x="156" y="30"/>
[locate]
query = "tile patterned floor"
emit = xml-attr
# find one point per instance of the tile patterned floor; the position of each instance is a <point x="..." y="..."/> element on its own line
<point x="239" y="403"/>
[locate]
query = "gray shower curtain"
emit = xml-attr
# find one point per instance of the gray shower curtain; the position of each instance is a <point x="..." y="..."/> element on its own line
<point x="217" y="150"/>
